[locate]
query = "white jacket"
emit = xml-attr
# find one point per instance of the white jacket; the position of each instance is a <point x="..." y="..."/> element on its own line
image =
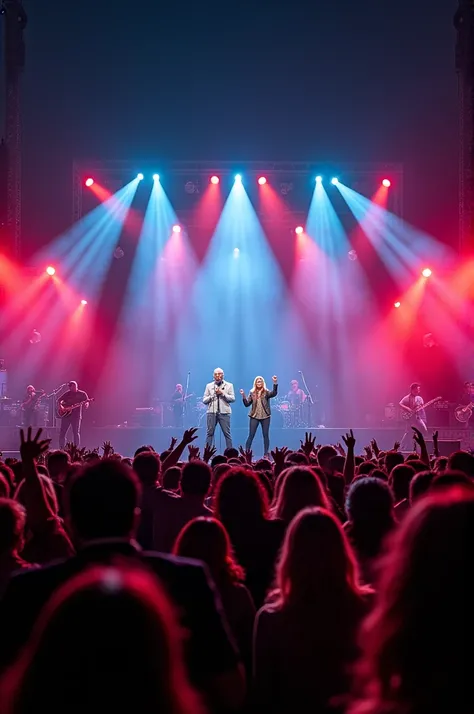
<point x="221" y="403"/>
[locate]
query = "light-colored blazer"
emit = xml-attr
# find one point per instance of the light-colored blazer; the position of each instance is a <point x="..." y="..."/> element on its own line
<point x="210" y="398"/>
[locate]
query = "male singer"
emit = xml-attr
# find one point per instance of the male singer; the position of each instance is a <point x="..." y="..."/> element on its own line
<point x="218" y="396"/>
<point x="73" y="420"/>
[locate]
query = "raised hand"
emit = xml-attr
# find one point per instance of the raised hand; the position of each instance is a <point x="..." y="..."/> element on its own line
<point x="173" y="443"/>
<point x="247" y="454"/>
<point x="396" y="446"/>
<point x="307" y="447"/>
<point x="107" y="449"/>
<point x="193" y="452"/>
<point x="275" y="379"/>
<point x="368" y="452"/>
<point x="71" y="449"/>
<point x="375" y="447"/>
<point x="339" y="447"/>
<point x="418" y="436"/>
<point x="349" y="440"/>
<point x="279" y="455"/>
<point x="31" y="449"/>
<point x="190" y="435"/>
<point x="435" y="438"/>
<point x="209" y="452"/>
<point x="241" y="391"/>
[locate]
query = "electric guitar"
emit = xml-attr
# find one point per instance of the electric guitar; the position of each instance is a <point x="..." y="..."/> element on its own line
<point x="64" y="411"/>
<point x="412" y="412"/>
<point x="464" y="413"/>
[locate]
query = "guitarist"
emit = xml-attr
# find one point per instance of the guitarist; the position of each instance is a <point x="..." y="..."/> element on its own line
<point x="73" y="420"/>
<point x="411" y="402"/>
<point x="30" y="406"/>
<point x="178" y="406"/>
<point x="466" y="399"/>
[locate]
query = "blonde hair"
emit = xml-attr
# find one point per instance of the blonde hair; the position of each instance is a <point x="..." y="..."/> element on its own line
<point x="254" y="388"/>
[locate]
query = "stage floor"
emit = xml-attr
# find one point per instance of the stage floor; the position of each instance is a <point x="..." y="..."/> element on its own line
<point x="126" y="440"/>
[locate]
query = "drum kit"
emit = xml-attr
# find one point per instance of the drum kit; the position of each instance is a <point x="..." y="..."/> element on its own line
<point x="11" y="413"/>
<point x="285" y="415"/>
<point x="293" y="415"/>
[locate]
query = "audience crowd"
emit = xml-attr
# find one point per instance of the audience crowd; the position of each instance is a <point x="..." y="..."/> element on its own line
<point x="322" y="580"/>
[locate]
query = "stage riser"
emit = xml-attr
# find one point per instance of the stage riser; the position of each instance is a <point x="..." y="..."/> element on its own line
<point x="127" y="440"/>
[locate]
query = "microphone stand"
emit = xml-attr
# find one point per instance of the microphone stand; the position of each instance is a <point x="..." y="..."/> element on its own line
<point x="311" y="401"/>
<point x="185" y="401"/>
<point x="52" y="396"/>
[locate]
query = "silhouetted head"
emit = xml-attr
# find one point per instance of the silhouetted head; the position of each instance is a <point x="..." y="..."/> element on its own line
<point x="103" y="502"/>
<point x="240" y="498"/>
<point x="416" y="640"/>
<point x="301" y="488"/>
<point x="111" y="639"/>
<point x="195" y="479"/>
<point x="207" y="540"/>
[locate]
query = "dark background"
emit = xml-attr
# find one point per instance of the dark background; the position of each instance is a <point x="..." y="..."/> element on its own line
<point x="304" y="80"/>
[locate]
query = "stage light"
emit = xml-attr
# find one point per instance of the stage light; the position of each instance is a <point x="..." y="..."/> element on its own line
<point x="299" y="230"/>
<point x="89" y="182"/>
<point x="176" y="229"/>
<point x="334" y="181"/>
<point x="50" y="270"/>
<point x="319" y="179"/>
<point x="262" y="180"/>
<point x="215" y="180"/>
<point x="156" y="177"/>
<point x="397" y="304"/>
<point x="140" y="177"/>
<point x="236" y="252"/>
<point x="387" y="183"/>
<point x="83" y="302"/>
<point x="426" y="272"/>
<point x="238" y="178"/>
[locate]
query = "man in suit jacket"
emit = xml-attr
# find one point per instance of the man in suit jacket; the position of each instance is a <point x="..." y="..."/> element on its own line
<point x="103" y="515"/>
<point x="218" y="396"/>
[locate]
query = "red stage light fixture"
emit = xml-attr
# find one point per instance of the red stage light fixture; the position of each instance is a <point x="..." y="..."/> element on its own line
<point x="262" y="180"/>
<point x="83" y="302"/>
<point x="387" y="183"/>
<point x="176" y="229"/>
<point x="215" y="180"/>
<point x="299" y="230"/>
<point x="397" y="304"/>
<point x="426" y="272"/>
<point x="89" y="182"/>
<point x="50" y="270"/>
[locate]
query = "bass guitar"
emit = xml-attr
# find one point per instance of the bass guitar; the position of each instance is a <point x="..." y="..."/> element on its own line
<point x="412" y="412"/>
<point x="464" y="413"/>
<point x="64" y="410"/>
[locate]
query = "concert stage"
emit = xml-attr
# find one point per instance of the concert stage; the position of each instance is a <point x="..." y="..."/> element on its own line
<point x="126" y="440"/>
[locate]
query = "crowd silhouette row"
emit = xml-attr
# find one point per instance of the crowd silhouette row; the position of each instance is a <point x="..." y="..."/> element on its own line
<point x="329" y="579"/>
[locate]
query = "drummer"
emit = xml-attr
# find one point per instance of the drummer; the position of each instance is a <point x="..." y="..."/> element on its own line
<point x="296" y="396"/>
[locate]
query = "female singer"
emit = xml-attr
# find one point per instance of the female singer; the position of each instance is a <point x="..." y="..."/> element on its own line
<point x="259" y="399"/>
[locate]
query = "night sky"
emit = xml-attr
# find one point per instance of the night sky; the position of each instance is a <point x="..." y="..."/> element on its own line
<point x="314" y="81"/>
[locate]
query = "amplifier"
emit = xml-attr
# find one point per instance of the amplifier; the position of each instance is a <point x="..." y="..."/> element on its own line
<point x="445" y="447"/>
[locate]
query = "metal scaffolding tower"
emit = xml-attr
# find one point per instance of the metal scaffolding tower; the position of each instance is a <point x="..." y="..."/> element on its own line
<point x="14" y="22"/>
<point x="464" y="24"/>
